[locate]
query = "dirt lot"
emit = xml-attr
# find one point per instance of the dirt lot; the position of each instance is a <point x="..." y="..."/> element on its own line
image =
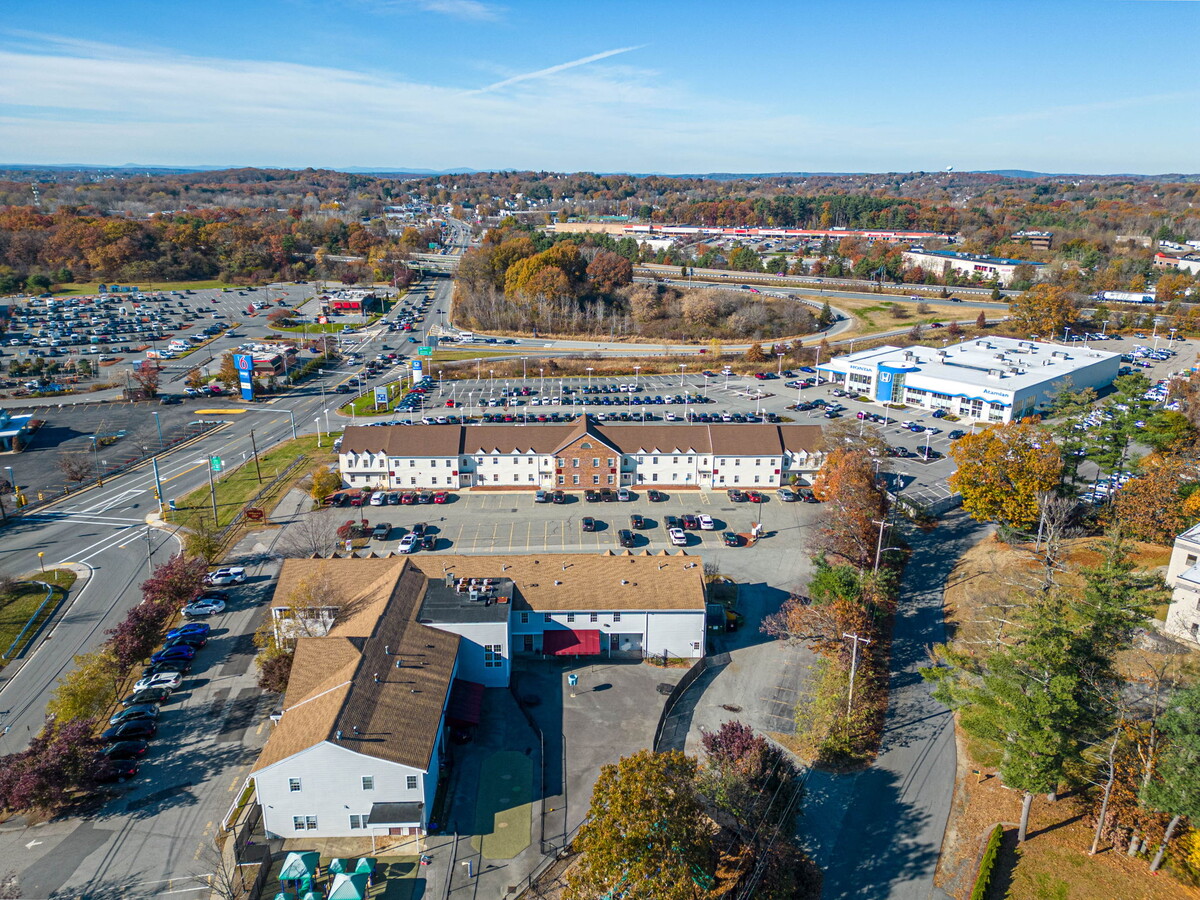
<point x="1054" y="863"/>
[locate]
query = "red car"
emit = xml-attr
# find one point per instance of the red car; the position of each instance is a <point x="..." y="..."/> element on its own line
<point x="440" y="496"/>
<point x="408" y="499"/>
<point x="754" y="496"/>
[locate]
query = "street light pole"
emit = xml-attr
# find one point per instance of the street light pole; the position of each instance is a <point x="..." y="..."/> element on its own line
<point x="853" y="666"/>
<point x="879" y="546"/>
<point x="158" y="424"/>
<point x="524" y="359"/>
<point x="682" y="367"/>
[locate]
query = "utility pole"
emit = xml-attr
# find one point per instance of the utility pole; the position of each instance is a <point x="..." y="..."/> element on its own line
<point x="212" y="492"/>
<point x="879" y="545"/>
<point x="257" y="470"/>
<point x="853" y="666"/>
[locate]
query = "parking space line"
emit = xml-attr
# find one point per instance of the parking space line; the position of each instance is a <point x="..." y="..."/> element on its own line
<point x="512" y="528"/>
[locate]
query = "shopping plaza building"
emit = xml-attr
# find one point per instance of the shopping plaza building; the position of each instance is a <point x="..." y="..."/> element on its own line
<point x="993" y="379"/>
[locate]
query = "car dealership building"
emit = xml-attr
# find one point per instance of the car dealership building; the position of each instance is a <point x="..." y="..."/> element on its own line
<point x="994" y="379"/>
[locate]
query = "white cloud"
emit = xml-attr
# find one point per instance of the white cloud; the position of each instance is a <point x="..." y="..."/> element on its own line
<point x="470" y="10"/>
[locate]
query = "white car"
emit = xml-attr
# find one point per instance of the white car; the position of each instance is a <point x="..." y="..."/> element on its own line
<point x="168" y="680"/>
<point x="678" y="538"/>
<point x="706" y="523"/>
<point x="227" y="575"/>
<point x="201" y="608"/>
<point x="378" y="498"/>
<point x="408" y="543"/>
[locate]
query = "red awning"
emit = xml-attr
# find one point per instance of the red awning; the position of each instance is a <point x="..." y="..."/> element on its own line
<point x="466" y="702"/>
<point x="571" y="643"/>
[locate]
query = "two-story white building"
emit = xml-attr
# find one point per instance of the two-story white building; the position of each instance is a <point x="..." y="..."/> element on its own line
<point x="1183" y="578"/>
<point x="412" y="647"/>
<point x="576" y="456"/>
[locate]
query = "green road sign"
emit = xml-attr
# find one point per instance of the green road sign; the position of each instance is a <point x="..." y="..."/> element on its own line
<point x="424" y="351"/>
<point x="216" y="463"/>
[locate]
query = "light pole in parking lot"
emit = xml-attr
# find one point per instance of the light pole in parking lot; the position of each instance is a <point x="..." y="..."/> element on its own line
<point x="682" y="368"/>
<point x="542" y="389"/>
<point x="158" y="424"/>
<point x="637" y="374"/>
<point x="589" y="371"/>
<point x="524" y="359"/>
<point x="779" y="372"/>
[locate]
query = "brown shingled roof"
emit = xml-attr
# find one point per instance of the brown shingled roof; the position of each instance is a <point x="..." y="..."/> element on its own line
<point x="349" y="682"/>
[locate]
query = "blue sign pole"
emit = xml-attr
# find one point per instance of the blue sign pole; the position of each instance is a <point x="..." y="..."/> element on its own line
<point x="244" y="363"/>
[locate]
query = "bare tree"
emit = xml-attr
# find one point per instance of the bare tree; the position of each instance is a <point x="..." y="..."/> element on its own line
<point x="76" y="467"/>
<point x="146" y="376"/>
<point x="314" y="533"/>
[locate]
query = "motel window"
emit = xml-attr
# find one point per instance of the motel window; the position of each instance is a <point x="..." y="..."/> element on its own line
<point x="594" y="617"/>
<point x="524" y="618"/>
<point x="491" y="656"/>
<point x="368" y="782"/>
<point x="294" y="785"/>
<point x="570" y="617"/>
<point x="595" y="462"/>
<point x="641" y="459"/>
<point x="562" y="479"/>
<point x="411" y="782"/>
<point x="412" y="463"/>
<point x="595" y="479"/>
<point x="612" y="479"/>
<point x="559" y="461"/>
<point x="546" y="617"/>
<point x="298" y="823"/>
<point x="1189" y="560"/>
<point x="675" y="460"/>
<point x="356" y="822"/>
<point x="575" y="463"/>
<point x="695" y="645"/>
<point x="574" y="479"/>
<point x="611" y="462"/>
<point x="616" y="617"/>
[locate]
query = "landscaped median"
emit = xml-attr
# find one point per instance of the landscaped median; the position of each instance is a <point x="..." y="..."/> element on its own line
<point x="26" y="605"/>
<point x="239" y="487"/>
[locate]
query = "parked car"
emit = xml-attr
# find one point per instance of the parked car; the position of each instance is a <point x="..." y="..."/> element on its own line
<point x="109" y="770"/>
<point x="408" y="543"/>
<point x="670" y="522"/>
<point x="442" y="496"/>
<point x="689" y="522"/>
<point x="138" y="729"/>
<point x="226" y="575"/>
<point x="428" y="541"/>
<point x="167" y="680"/>
<point x="169" y="654"/>
<point x="591" y="496"/>
<point x="149" y="695"/>
<point x="625" y="537"/>
<point x="195" y="641"/>
<point x="624" y="494"/>
<point x="558" y="497"/>
<point x="755" y="497"/>
<point x="588" y="523"/>
<point x="807" y="495"/>
<point x="541" y="497"/>
<point x="136" y="711"/>
<point x="201" y="608"/>
<point x="636" y="521"/>
<point x="190" y="628"/>
<point x="214" y="595"/>
<point x="731" y="539"/>
<point x="706" y="523"/>
<point x="678" y="537"/>
<point x="787" y="495"/>
<point x="125" y="750"/>
<point x="381" y="531"/>
<point x="655" y="496"/>
<point x="956" y="434"/>
<point x="736" y="496"/>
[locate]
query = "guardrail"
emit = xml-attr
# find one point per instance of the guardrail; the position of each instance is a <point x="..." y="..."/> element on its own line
<point x="28" y="625"/>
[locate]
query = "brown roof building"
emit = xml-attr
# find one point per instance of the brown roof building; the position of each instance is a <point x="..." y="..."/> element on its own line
<point x="358" y="745"/>
<point x="578" y="455"/>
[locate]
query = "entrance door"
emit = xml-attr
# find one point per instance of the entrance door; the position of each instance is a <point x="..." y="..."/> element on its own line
<point x="627" y="645"/>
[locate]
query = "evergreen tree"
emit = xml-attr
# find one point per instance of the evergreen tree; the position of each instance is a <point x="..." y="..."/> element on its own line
<point x="1176" y="788"/>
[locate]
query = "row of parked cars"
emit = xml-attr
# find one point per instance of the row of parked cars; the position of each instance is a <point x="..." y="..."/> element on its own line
<point x="388" y="498"/>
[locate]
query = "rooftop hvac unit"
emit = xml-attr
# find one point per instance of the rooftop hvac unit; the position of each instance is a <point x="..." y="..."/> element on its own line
<point x="474" y="594"/>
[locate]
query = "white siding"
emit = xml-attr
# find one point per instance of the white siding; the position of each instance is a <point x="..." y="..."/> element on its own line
<point x="674" y="631"/>
<point x="471" y="656"/>
<point x="331" y="789"/>
<point x="1183" y="616"/>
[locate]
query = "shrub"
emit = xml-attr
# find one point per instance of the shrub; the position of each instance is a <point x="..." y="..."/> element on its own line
<point x="987" y="863"/>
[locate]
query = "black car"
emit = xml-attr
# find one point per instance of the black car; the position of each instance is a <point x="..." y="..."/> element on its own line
<point x="625" y="537"/>
<point x="125" y="750"/>
<point x="807" y="495"/>
<point x="607" y="495"/>
<point x="558" y="497"/>
<point x="381" y="531"/>
<point x="182" y="666"/>
<point x="138" y="729"/>
<point x="168" y="400"/>
<point x="110" y="770"/>
<point x="428" y="541"/>
<point x="670" y="522"/>
<point x="223" y="596"/>
<point x="589" y="524"/>
<point x="736" y="496"/>
<point x="419" y="529"/>
<point x="149" y="695"/>
<point x="731" y="539"/>
<point x="591" y="496"/>
<point x="636" y="521"/>
<point x="956" y="434"/>
<point x="135" y="711"/>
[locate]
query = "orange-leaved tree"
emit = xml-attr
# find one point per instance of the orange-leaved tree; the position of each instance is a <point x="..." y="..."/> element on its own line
<point x="1003" y="470"/>
<point x="854" y="506"/>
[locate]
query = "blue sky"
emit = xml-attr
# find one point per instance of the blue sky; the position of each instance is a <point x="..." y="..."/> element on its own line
<point x="1093" y="86"/>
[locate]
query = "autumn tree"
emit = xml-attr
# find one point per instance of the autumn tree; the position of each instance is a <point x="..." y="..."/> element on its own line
<point x="981" y="320"/>
<point x="1044" y="309"/>
<point x="1152" y="507"/>
<point x="227" y="374"/>
<point x="755" y="353"/>
<point x="176" y="582"/>
<point x="59" y="765"/>
<point x="645" y="830"/>
<point x="856" y="435"/>
<point x="146" y="376"/>
<point x="1003" y="471"/>
<point x="88" y="689"/>
<point x="608" y="271"/>
<point x="324" y="482"/>
<point x="854" y="505"/>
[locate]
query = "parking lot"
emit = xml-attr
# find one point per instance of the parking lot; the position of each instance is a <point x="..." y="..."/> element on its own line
<point x="511" y="522"/>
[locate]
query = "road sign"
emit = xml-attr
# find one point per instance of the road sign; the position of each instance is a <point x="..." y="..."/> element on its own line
<point x="424" y="351"/>
<point x="216" y="463"/>
<point x="381" y="395"/>
<point x="254" y="514"/>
